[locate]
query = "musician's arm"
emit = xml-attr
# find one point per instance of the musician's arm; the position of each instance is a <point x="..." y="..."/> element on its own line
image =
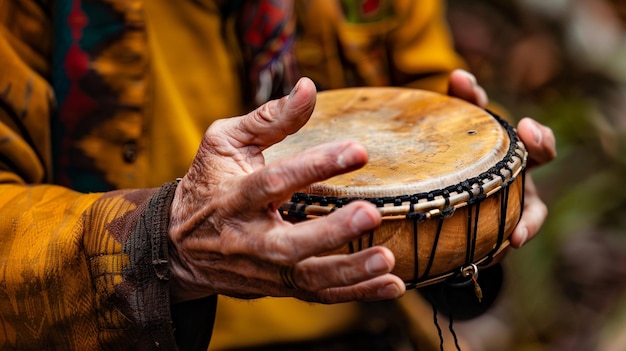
<point x="540" y="143"/>
<point x="73" y="264"/>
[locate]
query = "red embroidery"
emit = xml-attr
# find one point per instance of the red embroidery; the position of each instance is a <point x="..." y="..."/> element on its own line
<point x="370" y="6"/>
<point x="76" y="65"/>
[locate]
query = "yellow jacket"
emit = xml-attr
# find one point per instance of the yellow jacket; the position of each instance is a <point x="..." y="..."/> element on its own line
<point x="84" y="270"/>
<point x="115" y="94"/>
<point x="407" y="44"/>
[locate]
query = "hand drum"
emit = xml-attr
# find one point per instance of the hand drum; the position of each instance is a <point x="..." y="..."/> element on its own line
<point x="447" y="176"/>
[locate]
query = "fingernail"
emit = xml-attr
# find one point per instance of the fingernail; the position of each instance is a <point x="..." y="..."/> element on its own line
<point x="524" y="236"/>
<point x="389" y="291"/>
<point x="377" y="265"/>
<point x="294" y="90"/>
<point x="341" y="161"/>
<point x="363" y="220"/>
<point x="536" y="132"/>
<point x="470" y="77"/>
<point x="482" y="98"/>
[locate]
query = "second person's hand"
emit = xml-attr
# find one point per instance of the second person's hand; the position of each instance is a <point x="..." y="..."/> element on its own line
<point x="540" y="144"/>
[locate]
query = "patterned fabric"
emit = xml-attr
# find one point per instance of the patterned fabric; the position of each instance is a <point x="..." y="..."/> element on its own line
<point x="267" y="30"/>
<point x="91" y="275"/>
<point x="366" y="11"/>
<point x="98" y="79"/>
<point x="343" y="43"/>
<point x="407" y="44"/>
<point x="80" y="271"/>
<point x="76" y="269"/>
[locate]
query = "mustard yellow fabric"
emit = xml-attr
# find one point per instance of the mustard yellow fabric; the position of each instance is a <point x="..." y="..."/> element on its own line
<point x="412" y="48"/>
<point x="196" y="73"/>
<point x="62" y="252"/>
<point x="62" y="269"/>
<point x="77" y="271"/>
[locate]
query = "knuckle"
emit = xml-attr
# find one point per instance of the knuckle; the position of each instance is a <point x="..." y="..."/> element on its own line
<point x="265" y="112"/>
<point x="266" y="115"/>
<point x="280" y="251"/>
<point x="307" y="279"/>
<point x="273" y="182"/>
<point x="544" y="210"/>
<point x="215" y="129"/>
<point x="309" y="284"/>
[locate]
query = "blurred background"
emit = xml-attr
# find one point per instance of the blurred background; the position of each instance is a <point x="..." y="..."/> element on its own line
<point x="563" y="62"/>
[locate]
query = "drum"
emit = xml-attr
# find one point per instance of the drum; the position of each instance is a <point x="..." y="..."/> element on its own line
<point x="446" y="175"/>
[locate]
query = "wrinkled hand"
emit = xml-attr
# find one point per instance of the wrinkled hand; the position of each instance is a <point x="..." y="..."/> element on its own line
<point x="226" y="236"/>
<point x="540" y="144"/>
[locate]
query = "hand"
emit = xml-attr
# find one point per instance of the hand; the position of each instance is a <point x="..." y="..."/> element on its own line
<point x="228" y="238"/>
<point x="541" y="146"/>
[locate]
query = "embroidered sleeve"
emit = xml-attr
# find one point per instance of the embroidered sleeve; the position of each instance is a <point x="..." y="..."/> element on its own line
<point x="130" y="267"/>
<point x="77" y="271"/>
<point x="90" y="271"/>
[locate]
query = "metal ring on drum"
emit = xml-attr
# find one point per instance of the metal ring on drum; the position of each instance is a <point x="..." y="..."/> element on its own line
<point x="446" y="175"/>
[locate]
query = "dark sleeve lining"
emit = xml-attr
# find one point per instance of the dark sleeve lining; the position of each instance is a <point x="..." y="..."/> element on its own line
<point x="192" y="322"/>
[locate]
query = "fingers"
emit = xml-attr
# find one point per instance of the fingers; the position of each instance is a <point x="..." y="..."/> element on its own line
<point x="273" y="184"/>
<point x="364" y="275"/>
<point x="287" y="243"/>
<point x="539" y="140"/>
<point x="333" y="279"/>
<point x="319" y="273"/>
<point x="534" y="214"/>
<point x="464" y="86"/>
<point x="540" y="144"/>
<point x="273" y="121"/>
<point x="384" y="287"/>
<point x="325" y="234"/>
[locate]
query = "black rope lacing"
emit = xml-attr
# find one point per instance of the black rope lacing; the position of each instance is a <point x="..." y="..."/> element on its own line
<point x="300" y="201"/>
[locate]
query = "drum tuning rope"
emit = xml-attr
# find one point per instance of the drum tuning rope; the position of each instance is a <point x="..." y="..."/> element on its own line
<point x="447" y="177"/>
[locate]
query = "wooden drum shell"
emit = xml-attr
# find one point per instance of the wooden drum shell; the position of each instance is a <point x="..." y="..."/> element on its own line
<point x="412" y="241"/>
<point x="447" y="176"/>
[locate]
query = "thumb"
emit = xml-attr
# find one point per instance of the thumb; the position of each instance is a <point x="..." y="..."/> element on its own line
<point x="463" y="85"/>
<point x="276" y="119"/>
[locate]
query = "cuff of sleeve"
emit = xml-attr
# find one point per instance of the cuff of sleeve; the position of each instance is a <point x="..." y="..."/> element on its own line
<point x="149" y="268"/>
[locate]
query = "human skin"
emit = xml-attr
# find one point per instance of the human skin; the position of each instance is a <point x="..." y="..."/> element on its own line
<point x="226" y="236"/>
<point x="540" y="144"/>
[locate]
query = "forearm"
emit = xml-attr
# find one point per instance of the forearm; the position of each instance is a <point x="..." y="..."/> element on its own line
<point x="77" y="270"/>
<point x="98" y="261"/>
<point x="44" y="273"/>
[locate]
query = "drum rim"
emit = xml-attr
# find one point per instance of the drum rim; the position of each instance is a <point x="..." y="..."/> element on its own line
<point x="427" y="204"/>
